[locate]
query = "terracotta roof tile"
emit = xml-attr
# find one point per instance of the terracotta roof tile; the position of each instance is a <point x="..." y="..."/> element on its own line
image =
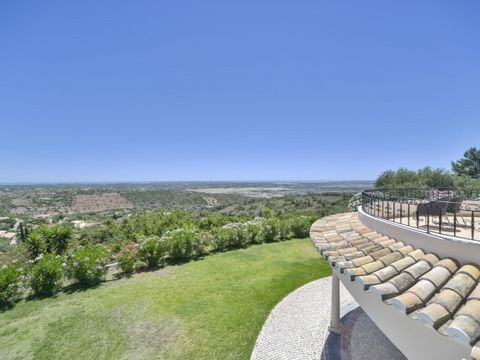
<point x="433" y="315"/>
<point x="438" y="276"/>
<point x="402" y="264"/>
<point x="475" y="293"/>
<point x="433" y="291"/>
<point x="465" y="329"/>
<point x="476" y="351"/>
<point x="449" y="299"/>
<point x="472" y="270"/>
<point x="406" y="302"/>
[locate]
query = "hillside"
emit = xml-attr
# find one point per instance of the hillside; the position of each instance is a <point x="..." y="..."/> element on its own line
<point x="208" y="309"/>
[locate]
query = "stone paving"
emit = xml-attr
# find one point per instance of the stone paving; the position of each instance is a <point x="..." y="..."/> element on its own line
<point x="297" y="329"/>
<point x="363" y="340"/>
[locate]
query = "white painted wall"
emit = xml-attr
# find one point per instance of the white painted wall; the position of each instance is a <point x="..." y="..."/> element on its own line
<point x="414" y="339"/>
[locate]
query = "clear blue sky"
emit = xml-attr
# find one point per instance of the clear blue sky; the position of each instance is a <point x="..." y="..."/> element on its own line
<point x="221" y="90"/>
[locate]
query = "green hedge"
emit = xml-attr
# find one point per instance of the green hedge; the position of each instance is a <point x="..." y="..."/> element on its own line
<point x="85" y="265"/>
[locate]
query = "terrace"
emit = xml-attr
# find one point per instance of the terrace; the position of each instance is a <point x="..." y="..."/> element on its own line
<point x="445" y="211"/>
<point x="410" y="260"/>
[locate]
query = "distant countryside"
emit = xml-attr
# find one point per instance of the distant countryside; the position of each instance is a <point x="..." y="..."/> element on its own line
<point x="124" y="242"/>
<point x="239" y="180"/>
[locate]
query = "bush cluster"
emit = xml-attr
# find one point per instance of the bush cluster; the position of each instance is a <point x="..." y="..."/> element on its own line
<point x="182" y="245"/>
<point x="11" y="282"/>
<point x="86" y="265"/>
<point x="46" y="274"/>
<point x="152" y="247"/>
<point x="49" y="239"/>
<point x="127" y="258"/>
<point x="151" y="251"/>
<point x="185" y="244"/>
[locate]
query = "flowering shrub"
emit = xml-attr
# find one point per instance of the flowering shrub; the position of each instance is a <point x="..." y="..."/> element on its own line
<point x="87" y="265"/>
<point x="301" y="226"/>
<point x="355" y="202"/>
<point x="182" y="244"/>
<point x="231" y="236"/>
<point x="284" y="229"/>
<point x="46" y="274"/>
<point x="11" y="277"/>
<point x="243" y="237"/>
<point x="127" y="258"/>
<point x="206" y="240"/>
<point x="221" y="239"/>
<point x="253" y="229"/>
<point x="236" y="235"/>
<point x="269" y="231"/>
<point x="151" y="250"/>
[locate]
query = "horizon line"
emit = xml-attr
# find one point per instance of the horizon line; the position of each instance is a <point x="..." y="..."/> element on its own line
<point x="119" y="182"/>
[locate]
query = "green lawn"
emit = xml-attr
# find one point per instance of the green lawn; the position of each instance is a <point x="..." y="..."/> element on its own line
<point x="208" y="309"/>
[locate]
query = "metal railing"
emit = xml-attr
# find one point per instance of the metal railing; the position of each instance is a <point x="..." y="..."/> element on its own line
<point x="454" y="212"/>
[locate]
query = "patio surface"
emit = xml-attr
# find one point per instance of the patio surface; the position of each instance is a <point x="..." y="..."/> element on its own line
<point x="297" y="329"/>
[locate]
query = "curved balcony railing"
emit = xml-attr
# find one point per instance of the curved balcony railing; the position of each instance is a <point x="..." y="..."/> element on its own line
<point x="454" y="212"/>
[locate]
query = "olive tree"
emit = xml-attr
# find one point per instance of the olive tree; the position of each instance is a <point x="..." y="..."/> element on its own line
<point x="469" y="164"/>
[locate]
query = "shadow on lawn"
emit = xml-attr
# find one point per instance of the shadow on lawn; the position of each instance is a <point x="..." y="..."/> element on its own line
<point x="76" y="287"/>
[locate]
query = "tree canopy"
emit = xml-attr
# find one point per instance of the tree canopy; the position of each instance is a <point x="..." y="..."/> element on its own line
<point x="469" y="164"/>
<point x="403" y="178"/>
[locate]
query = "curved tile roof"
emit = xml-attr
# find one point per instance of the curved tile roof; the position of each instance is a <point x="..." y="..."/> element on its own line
<point x="437" y="292"/>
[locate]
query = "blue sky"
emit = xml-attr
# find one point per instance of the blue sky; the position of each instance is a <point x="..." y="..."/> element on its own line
<point x="247" y="90"/>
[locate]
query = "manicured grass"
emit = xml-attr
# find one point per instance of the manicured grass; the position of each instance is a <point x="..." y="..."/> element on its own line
<point x="208" y="309"/>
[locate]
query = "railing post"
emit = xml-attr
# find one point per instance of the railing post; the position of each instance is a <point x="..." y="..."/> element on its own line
<point x="408" y="213"/>
<point x="388" y="204"/>
<point x="440" y="220"/>
<point x="473" y="225"/>
<point x="393" y="210"/>
<point x="418" y="217"/>
<point x="454" y="224"/>
<point x="335" y="323"/>
<point x="428" y="219"/>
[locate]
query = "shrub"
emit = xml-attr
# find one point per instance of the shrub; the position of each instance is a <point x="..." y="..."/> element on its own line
<point x="151" y="250"/>
<point x="57" y="238"/>
<point x="222" y="239"/>
<point x="35" y="244"/>
<point x="182" y="245"/>
<point x="206" y="241"/>
<point x="87" y="265"/>
<point x="284" y="229"/>
<point x="10" y="284"/>
<point x="301" y="226"/>
<point x="49" y="239"/>
<point x="253" y="230"/>
<point x="46" y="275"/>
<point x="235" y="236"/>
<point x="243" y="237"/>
<point x="269" y="231"/>
<point x="127" y="258"/>
<point x="355" y="202"/>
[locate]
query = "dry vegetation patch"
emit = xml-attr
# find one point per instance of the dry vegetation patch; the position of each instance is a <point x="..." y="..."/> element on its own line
<point x="100" y="202"/>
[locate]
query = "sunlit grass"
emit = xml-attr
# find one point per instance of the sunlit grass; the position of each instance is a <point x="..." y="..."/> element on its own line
<point x="207" y="309"/>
